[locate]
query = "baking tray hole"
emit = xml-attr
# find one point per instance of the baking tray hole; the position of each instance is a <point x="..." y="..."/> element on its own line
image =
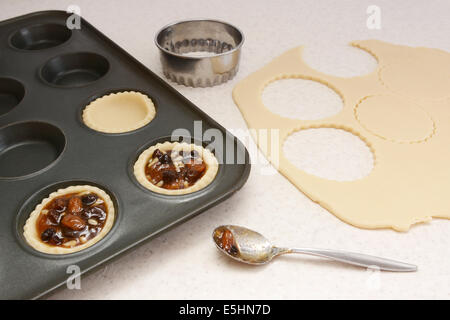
<point x="39" y="37"/>
<point x="75" y="69"/>
<point x="28" y="147"/>
<point x="11" y="93"/>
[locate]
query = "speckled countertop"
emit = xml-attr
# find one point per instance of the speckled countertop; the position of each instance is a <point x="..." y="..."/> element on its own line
<point x="183" y="263"/>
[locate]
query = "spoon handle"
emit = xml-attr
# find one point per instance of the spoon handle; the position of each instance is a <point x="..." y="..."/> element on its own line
<point x="358" y="259"/>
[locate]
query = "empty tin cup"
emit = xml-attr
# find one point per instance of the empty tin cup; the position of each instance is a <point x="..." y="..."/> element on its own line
<point x="200" y="53"/>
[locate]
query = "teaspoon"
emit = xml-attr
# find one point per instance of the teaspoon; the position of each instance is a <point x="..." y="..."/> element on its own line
<point x="251" y="247"/>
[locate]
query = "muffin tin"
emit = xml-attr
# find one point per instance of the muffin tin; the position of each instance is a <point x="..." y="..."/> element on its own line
<point x="48" y="74"/>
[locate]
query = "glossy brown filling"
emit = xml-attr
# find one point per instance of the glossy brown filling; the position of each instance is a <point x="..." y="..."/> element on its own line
<point x="225" y="240"/>
<point x="72" y="219"/>
<point x="175" y="170"/>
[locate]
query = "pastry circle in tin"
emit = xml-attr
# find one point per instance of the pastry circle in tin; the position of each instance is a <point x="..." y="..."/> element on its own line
<point x="84" y="215"/>
<point x="175" y="168"/>
<point x="119" y="112"/>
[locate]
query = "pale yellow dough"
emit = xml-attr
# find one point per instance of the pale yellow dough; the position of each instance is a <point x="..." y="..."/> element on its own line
<point x="119" y="112"/>
<point x="212" y="166"/>
<point x="402" y="112"/>
<point x="33" y="238"/>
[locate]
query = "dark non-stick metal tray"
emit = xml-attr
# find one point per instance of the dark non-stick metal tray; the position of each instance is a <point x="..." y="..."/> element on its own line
<point x="48" y="74"/>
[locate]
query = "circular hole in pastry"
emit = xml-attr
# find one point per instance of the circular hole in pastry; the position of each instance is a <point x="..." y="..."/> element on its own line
<point x="394" y="118"/>
<point x="29" y="147"/>
<point x="175" y="168"/>
<point x="41" y="36"/>
<point x="329" y="153"/>
<point x="74" y="69"/>
<point x="69" y="219"/>
<point x="301" y="99"/>
<point x="119" y="112"/>
<point x="339" y="60"/>
<point x="11" y="93"/>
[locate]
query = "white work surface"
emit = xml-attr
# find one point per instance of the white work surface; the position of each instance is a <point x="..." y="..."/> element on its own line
<point x="184" y="263"/>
